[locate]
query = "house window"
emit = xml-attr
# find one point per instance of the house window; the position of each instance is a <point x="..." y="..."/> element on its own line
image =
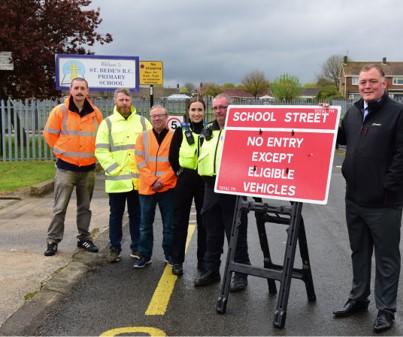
<point x="354" y="80"/>
<point x="398" y="80"/>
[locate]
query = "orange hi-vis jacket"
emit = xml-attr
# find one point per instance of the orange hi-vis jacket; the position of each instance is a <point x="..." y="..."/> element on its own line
<point x="72" y="137"/>
<point x="152" y="162"/>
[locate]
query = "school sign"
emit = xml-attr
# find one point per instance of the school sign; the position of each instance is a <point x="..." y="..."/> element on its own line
<point x="101" y="72"/>
<point x="279" y="152"/>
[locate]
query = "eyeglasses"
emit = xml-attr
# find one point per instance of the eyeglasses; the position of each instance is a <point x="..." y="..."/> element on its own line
<point x="196" y="109"/>
<point x="157" y="116"/>
<point x="220" y="107"/>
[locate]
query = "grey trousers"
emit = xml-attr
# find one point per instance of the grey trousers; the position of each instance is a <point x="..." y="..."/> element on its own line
<point x="379" y="229"/>
<point x="65" y="181"/>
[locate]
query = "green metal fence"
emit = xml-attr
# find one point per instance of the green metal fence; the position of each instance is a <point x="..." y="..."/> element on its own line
<point x="22" y="121"/>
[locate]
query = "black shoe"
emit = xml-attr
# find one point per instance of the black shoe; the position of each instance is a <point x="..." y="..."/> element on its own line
<point x="352" y="307"/>
<point x="177" y="269"/>
<point x="200" y="267"/>
<point x="209" y="277"/>
<point x="87" y="245"/>
<point x="384" y="321"/>
<point x="51" y="249"/>
<point x="239" y="282"/>
<point x="168" y="260"/>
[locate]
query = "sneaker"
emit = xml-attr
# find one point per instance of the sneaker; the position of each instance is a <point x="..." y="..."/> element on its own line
<point x="87" y="245"/>
<point x="51" y="249"/>
<point x="135" y="254"/>
<point x="142" y="262"/>
<point x="113" y="255"/>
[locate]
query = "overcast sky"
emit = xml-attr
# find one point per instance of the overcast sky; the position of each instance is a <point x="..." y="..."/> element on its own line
<point x="223" y="40"/>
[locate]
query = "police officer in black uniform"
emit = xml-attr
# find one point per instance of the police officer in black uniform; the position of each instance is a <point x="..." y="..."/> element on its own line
<point x="218" y="209"/>
<point x="183" y="157"/>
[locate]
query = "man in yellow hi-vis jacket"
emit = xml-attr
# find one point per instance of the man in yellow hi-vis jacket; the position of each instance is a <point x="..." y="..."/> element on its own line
<point x="115" y="145"/>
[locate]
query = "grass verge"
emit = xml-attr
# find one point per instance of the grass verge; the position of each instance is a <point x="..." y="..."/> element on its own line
<point x="19" y="174"/>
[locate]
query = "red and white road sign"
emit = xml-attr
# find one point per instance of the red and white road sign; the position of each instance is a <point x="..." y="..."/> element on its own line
<point x="174" y="122"/>
<point x="279" y="152"/>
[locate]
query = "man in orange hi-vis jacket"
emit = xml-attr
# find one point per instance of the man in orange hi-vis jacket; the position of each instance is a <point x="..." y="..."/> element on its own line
<point x="156" y="184"/>
<point x="70" y="131"/>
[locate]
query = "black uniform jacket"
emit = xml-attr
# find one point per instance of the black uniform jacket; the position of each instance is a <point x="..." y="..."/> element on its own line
<point x="373" y="166"/>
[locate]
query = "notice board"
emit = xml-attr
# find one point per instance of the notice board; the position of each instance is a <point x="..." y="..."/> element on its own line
<point x="278" y="152"/>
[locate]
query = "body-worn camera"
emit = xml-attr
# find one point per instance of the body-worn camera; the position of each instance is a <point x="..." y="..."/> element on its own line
<point x="189" y="137"/>
<point x="208" y="133"/>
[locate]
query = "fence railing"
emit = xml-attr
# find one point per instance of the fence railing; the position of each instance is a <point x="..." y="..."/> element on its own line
<point x="22" y="121"/>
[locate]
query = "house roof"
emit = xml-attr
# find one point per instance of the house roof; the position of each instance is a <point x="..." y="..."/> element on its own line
<point x="390" y="68"/>
<point x="310" y="92"/>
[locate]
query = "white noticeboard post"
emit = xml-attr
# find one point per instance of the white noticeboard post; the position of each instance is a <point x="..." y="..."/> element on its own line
<point x="101" y="72"/>
<point x="6" y="61"/>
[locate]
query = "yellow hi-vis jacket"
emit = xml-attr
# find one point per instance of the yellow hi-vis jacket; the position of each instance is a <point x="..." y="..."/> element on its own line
<point x="210" y="154"/>
<point x="188" y="153"/>
<point x="114" y="149"/>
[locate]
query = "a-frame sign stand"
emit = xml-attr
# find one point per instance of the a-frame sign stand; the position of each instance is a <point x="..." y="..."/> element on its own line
<point x="289" y="216"/>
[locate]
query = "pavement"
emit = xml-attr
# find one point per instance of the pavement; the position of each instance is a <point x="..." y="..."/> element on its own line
<point x="30" y="281"/>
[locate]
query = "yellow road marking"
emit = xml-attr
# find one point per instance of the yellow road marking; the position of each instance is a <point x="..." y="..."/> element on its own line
<point x="160" y="300"/>
<point x="133" y="329"/>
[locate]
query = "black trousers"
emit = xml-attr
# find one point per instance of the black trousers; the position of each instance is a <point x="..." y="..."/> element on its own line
<point x="218" y="214"/>
<point x="375" y="229"/>
<point x="189" y="186"/>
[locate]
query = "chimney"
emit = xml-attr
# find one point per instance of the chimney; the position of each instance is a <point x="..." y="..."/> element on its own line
<point x="383" y="60"/>
<point x="345" y="59"/>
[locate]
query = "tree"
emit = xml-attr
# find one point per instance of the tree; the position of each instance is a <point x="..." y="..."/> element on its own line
<point x="329" y="92"/>
<point x="34" y="31"/>
<point x="255" y="83"/>
<point x="210" y="89"/>
<point x="286" y="87"/>
<point x="331" y="69"/>
<point x="228" y="86"/>
<point x="188" y="88"/>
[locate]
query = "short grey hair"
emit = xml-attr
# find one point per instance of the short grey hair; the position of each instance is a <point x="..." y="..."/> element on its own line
<point x="158" y="106"/>
<point x="222" y="95"/>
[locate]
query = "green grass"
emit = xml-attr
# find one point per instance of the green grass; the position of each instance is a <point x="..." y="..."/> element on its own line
<point x="19" y="174"/>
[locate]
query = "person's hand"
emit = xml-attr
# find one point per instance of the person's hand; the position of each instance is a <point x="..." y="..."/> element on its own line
<point x="157" y="186"/>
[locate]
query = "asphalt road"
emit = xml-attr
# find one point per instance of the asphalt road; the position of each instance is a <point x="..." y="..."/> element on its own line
<point x="115" y="299"/>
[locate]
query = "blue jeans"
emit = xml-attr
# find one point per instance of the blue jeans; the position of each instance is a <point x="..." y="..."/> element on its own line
<point x="117" y="203"/>
<point x="148" y="204"/>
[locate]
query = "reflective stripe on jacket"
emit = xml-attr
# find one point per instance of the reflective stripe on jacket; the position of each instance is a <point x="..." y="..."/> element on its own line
<point x="188" y="154"/>
<point x="210" y="154"/>
<point x="115" y="143"/>
<point x="72" y="137"/>
<point x="152" y="162"/>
